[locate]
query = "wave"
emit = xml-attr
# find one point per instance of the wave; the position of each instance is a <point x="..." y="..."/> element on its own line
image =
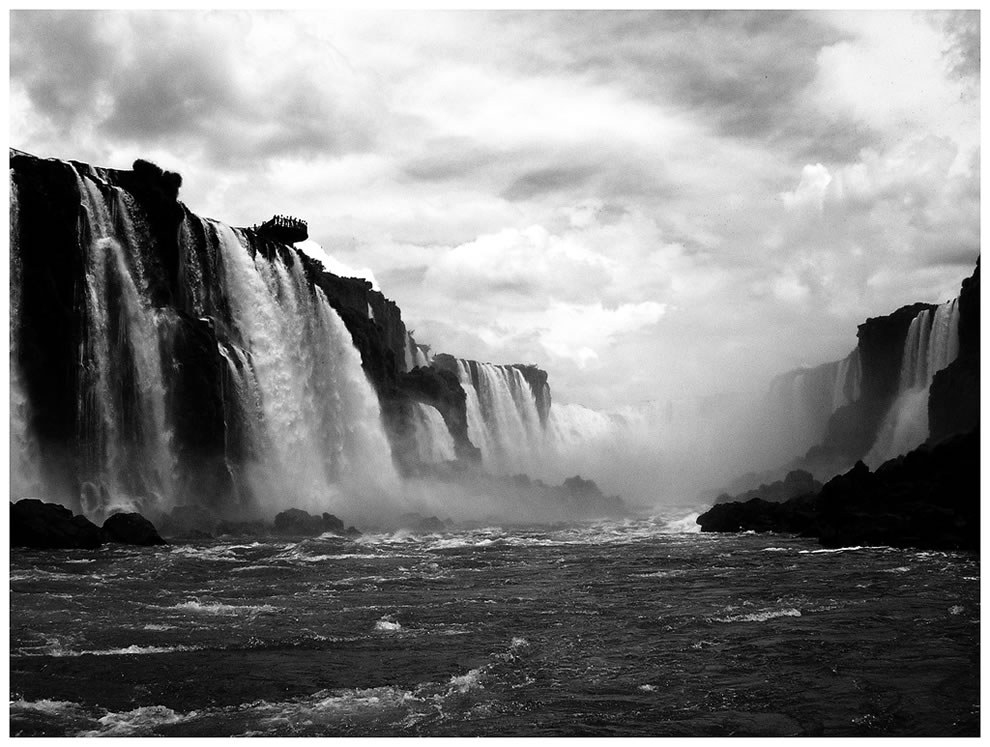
<point x="219" y="608"/>
<point x="387" y="625"/>
<point x="59" y="649"/>
<point x="761" y="616"/>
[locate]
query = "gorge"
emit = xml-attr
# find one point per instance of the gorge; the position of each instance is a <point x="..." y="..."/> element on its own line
<point x="160" y="359"/>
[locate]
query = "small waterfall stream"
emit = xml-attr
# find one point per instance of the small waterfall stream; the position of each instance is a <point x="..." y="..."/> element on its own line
<point x="931" y="344"/>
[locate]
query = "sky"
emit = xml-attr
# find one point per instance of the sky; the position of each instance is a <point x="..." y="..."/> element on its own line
<point x="649" y="205"/>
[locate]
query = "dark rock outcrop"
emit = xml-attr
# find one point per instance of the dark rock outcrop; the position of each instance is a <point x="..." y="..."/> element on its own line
<point x="296" y="522"/>
<point x="928" y="498"/>
<point x="954" y="400"/>
<point x="797" y="482"/>
<point x="36" y="524"/>
<point x="131" y="529"/>
<point x="440" y="388"/>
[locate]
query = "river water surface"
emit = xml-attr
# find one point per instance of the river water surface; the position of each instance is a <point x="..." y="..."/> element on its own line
<point x="611" y="629"/>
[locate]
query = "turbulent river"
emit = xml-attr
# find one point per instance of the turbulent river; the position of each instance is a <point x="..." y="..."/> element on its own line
<point x="611" y="629"/>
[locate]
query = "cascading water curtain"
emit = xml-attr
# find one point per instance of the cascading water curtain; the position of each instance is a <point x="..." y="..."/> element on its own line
<point x="503" y="419"/>
<point x="434" y="444"/>
<point x="24" y="468"/>
<point x="125" y="436"/>
<point x="317" y="419"/>
<point x="931" y="344"/>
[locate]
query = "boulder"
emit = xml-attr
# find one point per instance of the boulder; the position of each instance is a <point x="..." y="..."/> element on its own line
<point x="132" y="529"/>
<point x="295" y="521"/>
<point x="34" y="523"/>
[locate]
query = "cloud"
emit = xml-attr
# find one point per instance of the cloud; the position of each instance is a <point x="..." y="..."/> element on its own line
<point x="579" y="331"/>
<point x="213" y="81"/>
<point x="642" y="202"/>
<point x="335" y="266"/>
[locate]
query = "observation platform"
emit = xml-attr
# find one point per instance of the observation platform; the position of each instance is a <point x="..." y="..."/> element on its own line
<point x="284" y="228"/>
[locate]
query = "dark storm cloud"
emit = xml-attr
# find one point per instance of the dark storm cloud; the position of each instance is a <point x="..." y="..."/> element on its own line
<point x="193" y="80"/>
<point x="448" y="159"/>
<point x="741" y="73"/>
<point x="61" y="57"/>
<point x="179" y="89"/>
<point x="541" y="182"/>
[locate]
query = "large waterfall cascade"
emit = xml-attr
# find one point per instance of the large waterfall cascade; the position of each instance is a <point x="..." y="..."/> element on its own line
<point x="24" y="477"/>
<point x="931" y="344"/>
<point x="502" y="417"/>
<point x="320" y="421"/>
<point x="302" y="422"/>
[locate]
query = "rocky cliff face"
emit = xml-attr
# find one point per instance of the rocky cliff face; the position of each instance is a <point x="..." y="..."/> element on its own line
<point x="928" y="498"/>
<point x="852" y="429"/>
<point x="136" y="347"/>
<point x="954" y="404"/>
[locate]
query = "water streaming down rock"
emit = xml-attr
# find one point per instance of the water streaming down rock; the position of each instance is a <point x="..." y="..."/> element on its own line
<point x="24" y="478"/>
<point x="503" y="416"/>
<point x="123" y="429"/>
<point x="189" y="366"/>
<point x="434" y="443"/>
<point x="320" y="423"/>
<point x="416" y="355"/>
<point x="931" y="344"/>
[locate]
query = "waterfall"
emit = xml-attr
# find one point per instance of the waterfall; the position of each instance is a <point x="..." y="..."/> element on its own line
<point x="503" y="419"/>
<point x="799" y="403"/>
<point x="319" y="423"/>
<point x="179" y="363"/>
<point x="434" y="444"/>
<point x="125" y="435"/>
<point x="24" y="477"/>
<point x="931" y="344"/>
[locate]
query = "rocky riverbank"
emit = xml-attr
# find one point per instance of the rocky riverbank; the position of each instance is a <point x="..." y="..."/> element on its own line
<point x="928" y="499"/>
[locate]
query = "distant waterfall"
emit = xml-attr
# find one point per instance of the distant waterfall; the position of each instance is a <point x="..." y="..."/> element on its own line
<point x="434" y="444"/>
<point x="503" y="419"/>
<point x="320" y="421"/>
<point x="931" y="344"/>
<point x="124" y="431"/>
<point x="800" y="403"/>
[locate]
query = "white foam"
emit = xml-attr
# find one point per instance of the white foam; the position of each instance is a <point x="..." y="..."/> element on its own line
<point x="687" y="525"/>
<point x="139" y="722"/>
<point x="469" y="681"/>
<point x="218" y="608"/>
<point x="53" y="707"/>
<point x="59" y="649"/>
<point x="762" y="616"/>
